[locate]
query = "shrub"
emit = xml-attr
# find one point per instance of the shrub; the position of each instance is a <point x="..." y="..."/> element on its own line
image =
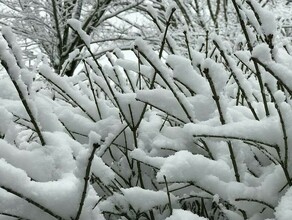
<point x="204" y="131"/>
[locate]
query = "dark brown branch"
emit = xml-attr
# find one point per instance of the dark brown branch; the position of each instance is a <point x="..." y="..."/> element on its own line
<point x="165" y="32"/>
<point x="25" y="104"/>
<point x="168" y="194"/>
<point x="86" y="179"/>
<point x="46" y="210"/>
<point x="64" y="92"/>
<point x="14" y="216"/>
<point x="255" y="200"/>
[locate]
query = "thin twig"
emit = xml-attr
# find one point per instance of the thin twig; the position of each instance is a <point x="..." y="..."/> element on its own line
<point x="25" y="104"/>
<point x="31" y="201"/>
<point x="165" y="32"/>
<point x="168" y="194"/>
<point x="255" y="200"/>
<point x="86" y="179"/>
<point x="14" y="216"/>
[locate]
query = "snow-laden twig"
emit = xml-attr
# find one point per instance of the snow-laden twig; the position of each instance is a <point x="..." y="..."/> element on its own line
<point x="64" y="88"/>
<point x="31" y="201"/>
<point x="8" y="61"/>
<point x="86" y="180"/>
<point x="284" y="162"/>
<point x="165" y="32"/>
<point x="14" y="216"/>
<point x="92" y="90"/>
<point x="168" y="195"/>
<point x="238" y="77"/>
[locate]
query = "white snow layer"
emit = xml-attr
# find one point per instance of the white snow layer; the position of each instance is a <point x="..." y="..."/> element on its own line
<point x="284" y="208"/>
<point x="144" y="200"/>
<point x="179" y="214"/>
<point x="183" y="166"/>
<point x="77" y="26"/>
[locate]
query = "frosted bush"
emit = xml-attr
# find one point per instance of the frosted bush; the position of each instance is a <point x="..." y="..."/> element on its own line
<point x="202" y="134"/>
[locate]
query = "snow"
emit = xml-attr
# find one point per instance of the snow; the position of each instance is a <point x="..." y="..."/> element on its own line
<point x="284" y="208"/>
<point x="6" y="118"/>
<point x="179" y="214"/>
<point x="77" y="26"/>
<point x="132" y="65"/>
<point x="27" y="77"/>
<point x="170" y="10"/>
<point x="130" y="108"/>
<point x="217" y="73"/>
<point x="147" y="199"/>
<point x="184" y="72"/>
<point x="56" y="195"/>
<point x="167" y="127"/>
<point x="163" y="100"/>
<point x="280" y="72"/>
<point x="140" y="155"/>
<point x="247" y="129"/>
<point x="12" y="41"/>
<point x="73" y="55"/>
<point x="41" y="169"/>
<point x="152" y="11"/>
<point x="101" y="170"/>
<point x="236" y="71"/>
<point x="183" y="166"/>
<point x="82" y="101"/>
<point x="7" y="89"/>
<point x="232" y="215"/>
<point x="267" y="19"/>
<point x="262" y="52"/>
<point x="9" y="59"/>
